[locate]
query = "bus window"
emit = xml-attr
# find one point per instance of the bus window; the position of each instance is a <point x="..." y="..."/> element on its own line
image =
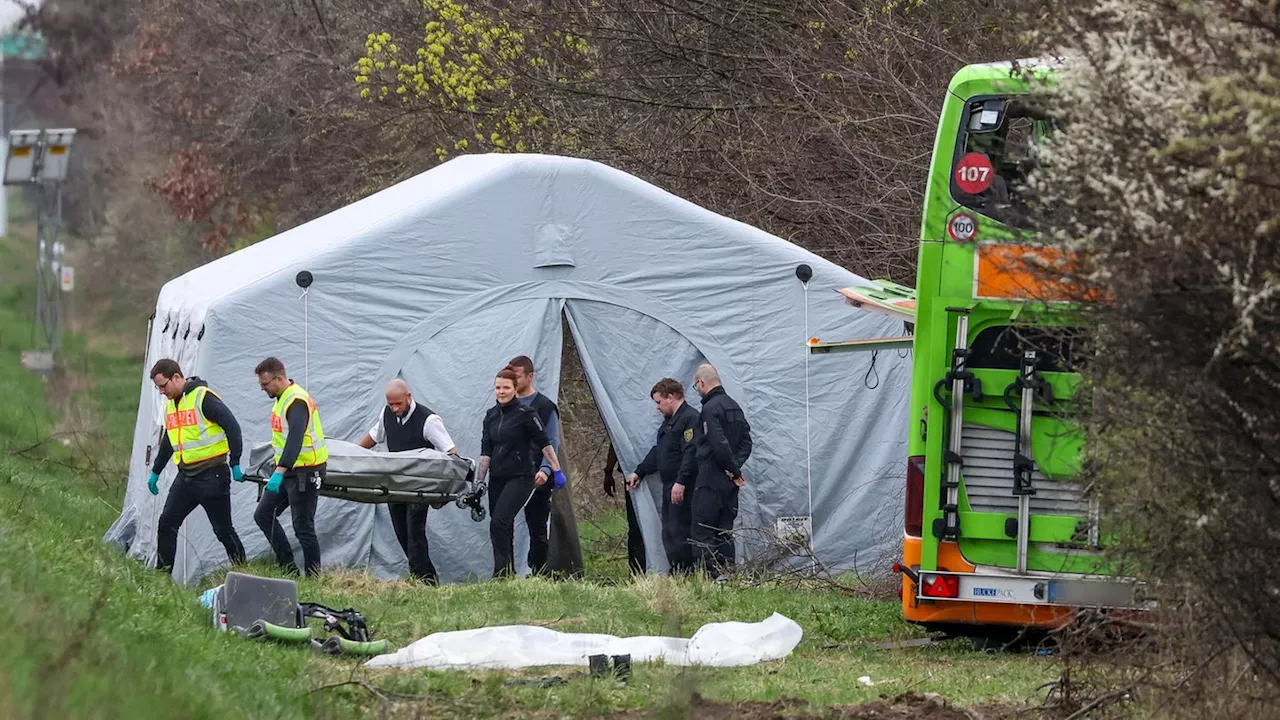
<point x="1000" y="347"/>
<point x="1003" y="133"/>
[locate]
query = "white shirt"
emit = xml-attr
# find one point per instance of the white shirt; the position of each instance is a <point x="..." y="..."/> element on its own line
<point x="432" y="430"/>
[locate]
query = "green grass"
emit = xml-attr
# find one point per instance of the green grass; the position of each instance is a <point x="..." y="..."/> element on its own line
<point x="95" y="634"/>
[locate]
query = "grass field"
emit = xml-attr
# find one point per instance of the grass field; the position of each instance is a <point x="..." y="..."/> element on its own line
<point x="91" y="633"/>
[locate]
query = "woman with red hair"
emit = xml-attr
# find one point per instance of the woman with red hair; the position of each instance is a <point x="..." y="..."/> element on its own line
<point x="509" y="440"/>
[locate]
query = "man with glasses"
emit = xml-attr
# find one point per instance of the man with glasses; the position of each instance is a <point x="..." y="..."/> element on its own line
<point x="201" y="435"/>
<point x="297" y="437"/>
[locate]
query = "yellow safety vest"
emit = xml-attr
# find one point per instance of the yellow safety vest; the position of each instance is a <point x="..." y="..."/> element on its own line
<point x="194" y="437"/>
<point x="314" y="450"/>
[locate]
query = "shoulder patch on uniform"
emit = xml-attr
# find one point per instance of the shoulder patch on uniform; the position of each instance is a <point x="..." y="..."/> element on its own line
<point x="688" y="434"/>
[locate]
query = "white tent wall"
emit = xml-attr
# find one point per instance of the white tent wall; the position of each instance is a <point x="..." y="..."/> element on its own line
<point x="444" y="277"/>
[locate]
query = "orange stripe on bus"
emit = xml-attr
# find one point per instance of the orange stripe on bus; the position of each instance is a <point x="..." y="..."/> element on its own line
<point x="1025" y="272"/>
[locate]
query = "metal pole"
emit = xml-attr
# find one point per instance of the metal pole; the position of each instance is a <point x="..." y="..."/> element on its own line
<point x="37" y="329"/>
<point x="1024" y="437"/>
<point x="56" y="287"/>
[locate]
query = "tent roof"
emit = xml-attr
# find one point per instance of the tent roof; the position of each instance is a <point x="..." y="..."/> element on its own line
<point x="386" y="211"/>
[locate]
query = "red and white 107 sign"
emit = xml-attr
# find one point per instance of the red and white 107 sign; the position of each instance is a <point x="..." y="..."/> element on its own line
<point x="962" y="227"/>
<point x="974" y="173"/>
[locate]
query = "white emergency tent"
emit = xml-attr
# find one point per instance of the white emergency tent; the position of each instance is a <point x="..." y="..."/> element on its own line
<point x="444" y="277"/>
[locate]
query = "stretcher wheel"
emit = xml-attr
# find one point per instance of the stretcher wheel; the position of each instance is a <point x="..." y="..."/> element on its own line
<point x="341" y="646"/>
<point x="477" y="514"/>
<point x="461" y="502"/>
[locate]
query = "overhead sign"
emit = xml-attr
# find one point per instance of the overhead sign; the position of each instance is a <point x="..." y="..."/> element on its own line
<point x="962" y="227"/>
<point x="24" y="45"/>
<point x="67" y="278"/>
<point x="35" y="155"/>
<point x="21" y="161"/>
<point x="57" y="153"/>
<point x="974" y="173"/>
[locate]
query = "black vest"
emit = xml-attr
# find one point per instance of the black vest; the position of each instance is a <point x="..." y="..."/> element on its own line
<point x="544" y="407"/>
<point x="406" y="435"/>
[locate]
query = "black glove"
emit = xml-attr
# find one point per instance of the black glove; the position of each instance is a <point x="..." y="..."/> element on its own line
<point x="609" y="486"/>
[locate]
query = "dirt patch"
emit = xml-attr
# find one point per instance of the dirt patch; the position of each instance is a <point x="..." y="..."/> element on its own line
<point x="928" y="707"/>
<point x="907" y="706"/>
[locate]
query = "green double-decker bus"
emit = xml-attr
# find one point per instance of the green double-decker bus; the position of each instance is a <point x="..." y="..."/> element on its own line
<point x="998" y="534"/>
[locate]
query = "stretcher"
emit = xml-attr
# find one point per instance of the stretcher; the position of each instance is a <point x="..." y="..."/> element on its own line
<point x="265" y="609"/>
<point x="419" y="477"/>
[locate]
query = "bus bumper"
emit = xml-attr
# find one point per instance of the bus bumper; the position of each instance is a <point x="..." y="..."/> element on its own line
<point x="992" y="596"/>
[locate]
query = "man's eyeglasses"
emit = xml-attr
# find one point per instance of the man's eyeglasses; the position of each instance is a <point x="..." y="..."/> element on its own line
<point x="161" y="386"/>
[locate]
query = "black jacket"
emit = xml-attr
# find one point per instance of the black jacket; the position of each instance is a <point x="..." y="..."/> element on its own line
<point x="218" y="412"/>
<point x="723" y="437"/>
<point x="673" y="456"/>
<point x="512" y="438"/>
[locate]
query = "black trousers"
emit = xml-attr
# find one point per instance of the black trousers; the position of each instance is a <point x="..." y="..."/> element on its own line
<point x="209" y="489"/>
<point x="636" y="559"/>
<point x="299" y="493"/>
<point x="537" y="515"/>
<point x="410" y="523"/>
<point x="507" y="496"/>
<point x="676" y="520"/>
<point x="715" y="507"/>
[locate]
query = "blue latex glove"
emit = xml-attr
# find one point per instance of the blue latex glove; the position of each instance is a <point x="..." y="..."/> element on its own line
<point x="152" y="484"/>
<point x="560" y="478"/>
<point x="208" y="597"/>
<point x="273" y="485"/>
<point x="237" y="474"/>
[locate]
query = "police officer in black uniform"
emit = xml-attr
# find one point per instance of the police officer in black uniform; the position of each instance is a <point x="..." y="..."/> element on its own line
<point x="723" y="444"/>
<point x="407" y="425"/>
<point x="508" y="440"/>
<point x="637" y="559"/>
<point x="674" y="460"/>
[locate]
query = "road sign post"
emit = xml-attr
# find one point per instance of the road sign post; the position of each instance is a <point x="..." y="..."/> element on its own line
<point x="39" y="158"/>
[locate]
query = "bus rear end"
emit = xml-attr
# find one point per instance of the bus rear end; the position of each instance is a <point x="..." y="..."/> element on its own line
<point x="999" y="535"/>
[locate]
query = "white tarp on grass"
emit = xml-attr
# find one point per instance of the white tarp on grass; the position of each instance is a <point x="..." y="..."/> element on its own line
<point x="724" y="644"/>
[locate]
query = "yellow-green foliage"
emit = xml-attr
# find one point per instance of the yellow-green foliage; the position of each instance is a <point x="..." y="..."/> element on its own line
<point x="469" y="65"/>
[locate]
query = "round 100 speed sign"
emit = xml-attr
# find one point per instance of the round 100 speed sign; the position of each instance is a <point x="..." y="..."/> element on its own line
<point x="962" y="227"/>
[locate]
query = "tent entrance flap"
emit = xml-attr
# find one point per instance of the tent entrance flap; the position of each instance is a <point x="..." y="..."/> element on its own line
<point x="624" y="352"/>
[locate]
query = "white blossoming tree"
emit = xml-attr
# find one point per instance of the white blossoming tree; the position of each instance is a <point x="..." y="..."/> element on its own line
<point x="1164" y="180"/>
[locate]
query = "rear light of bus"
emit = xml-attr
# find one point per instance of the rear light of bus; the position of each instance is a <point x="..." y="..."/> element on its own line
<point x="913" y="516"/>
<point x="939" y="586"/>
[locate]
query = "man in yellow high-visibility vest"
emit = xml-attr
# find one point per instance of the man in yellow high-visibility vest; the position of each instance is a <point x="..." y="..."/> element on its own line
<point x="202" y="436"/>
<point x="297" y="436"/>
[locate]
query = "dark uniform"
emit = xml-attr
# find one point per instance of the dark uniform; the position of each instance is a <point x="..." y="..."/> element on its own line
<point x="408" y="519"/>
<point x="723" y="444"/>
<point x="537" y="512"/>
<point x="674" y="460"/>
<point x="637" y="559"/>
<point x="512" y="439"/>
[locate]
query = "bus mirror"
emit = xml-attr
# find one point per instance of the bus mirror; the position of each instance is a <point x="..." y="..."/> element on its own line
<point x="987" y="116"/>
